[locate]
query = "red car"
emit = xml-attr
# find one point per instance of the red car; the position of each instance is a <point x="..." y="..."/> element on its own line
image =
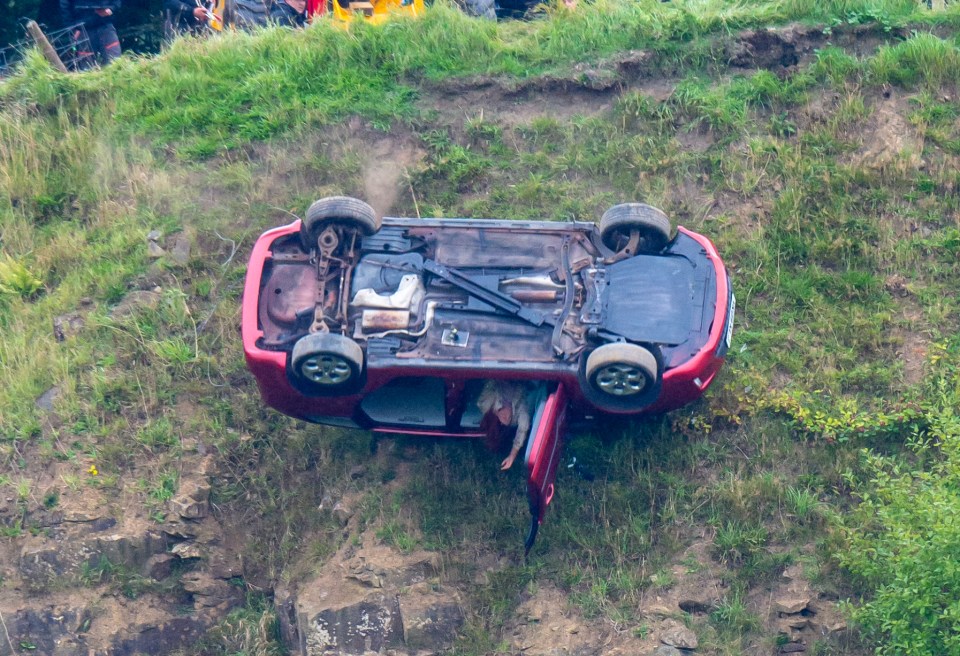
<point x="396" y="325"/>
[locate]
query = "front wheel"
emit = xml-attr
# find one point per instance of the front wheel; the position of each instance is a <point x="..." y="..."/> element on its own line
<point x="326" y="364"/>
<point x="620" y="377"/>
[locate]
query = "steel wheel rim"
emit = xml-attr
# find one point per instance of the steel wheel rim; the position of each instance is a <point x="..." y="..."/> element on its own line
<point x="326" y="369"/>
<point x="621" y="380"/>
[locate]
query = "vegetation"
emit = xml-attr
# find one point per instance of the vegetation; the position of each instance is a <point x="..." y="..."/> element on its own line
<point x="831" y="189"/>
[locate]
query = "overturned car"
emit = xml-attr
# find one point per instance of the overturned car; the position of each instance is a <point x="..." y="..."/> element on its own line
<point x="396" y="325"/>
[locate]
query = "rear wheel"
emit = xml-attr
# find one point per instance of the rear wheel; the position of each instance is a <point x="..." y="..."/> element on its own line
<point x="620" y="221"/>
<point x="343" y="211"/>
<point x="620" y="377"/>
<point x="326" y="364"/>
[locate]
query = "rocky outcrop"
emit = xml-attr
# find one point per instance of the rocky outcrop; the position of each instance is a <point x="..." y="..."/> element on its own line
<point x="376" y="601"/>
<point x="800" y="617"/>
<point x="88" y="582"/>
<point x="69" y="559"/>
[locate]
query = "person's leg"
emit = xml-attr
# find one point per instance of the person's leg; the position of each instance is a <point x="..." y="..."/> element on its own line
<point x="105" y="42"/>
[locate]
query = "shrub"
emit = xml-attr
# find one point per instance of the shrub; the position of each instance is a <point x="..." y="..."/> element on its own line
<point x="903" y="540"/>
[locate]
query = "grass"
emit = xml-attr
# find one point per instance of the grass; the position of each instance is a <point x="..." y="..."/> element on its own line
<point x="843" y="261"/>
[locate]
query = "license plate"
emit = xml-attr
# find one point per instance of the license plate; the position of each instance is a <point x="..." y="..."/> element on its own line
<point x="733" y="308"/>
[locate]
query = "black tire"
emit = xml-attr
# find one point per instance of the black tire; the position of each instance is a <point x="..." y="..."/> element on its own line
<point x="619" y="221"/>
<point x="620" y="377"/>
<point x="480" y="8"/>
<point x="326" y="364"/>
<point x="348" y="212"/>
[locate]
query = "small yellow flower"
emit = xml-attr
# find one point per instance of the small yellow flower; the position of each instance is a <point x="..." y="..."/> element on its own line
<point x="93" y="470"/>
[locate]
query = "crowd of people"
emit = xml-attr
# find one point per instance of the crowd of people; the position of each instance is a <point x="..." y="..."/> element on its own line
<point x="95" y="17"/>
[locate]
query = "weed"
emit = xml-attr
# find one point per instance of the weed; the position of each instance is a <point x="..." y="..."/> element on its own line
<point x="733" y="617"/>
<point x="734" y="542"/>
<point x="16" y="280"/>
<point x="802" y="504"/>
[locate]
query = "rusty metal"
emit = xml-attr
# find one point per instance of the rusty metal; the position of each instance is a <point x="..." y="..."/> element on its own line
<point x="384" y="319"/>
<point x="536" y="295"/>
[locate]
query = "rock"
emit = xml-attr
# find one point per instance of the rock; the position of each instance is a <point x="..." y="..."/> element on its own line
<point x="154" y="250"/>
<point x="430" y="621"/>
<point x="107" y="627"/>
<point x="342" y="512"/>
<point x="84" y="514"/>
<point x="154" y="235"/>
<point x="793" y="573"/>
<point x="698" y="606"/>
<point x="797" y="623"/>
<point x="373" y="625"/>
<point x="192" y="500"/>
<point x="67" y="325"/>
<point x="134" y="302"/>
<point x="210" y="592"/>
<point x="657" y="611"/>
<point x="827" y="627"/>
<point x="677" y="635"/>
<point x="101" y="524"/>
<point x="167" y="637"/>
<point x="791" y="605"/>
<point x="45" y="629"/>
<point x="187" y="550"/>
<point x="66" y="560"/>
<point x="667" y="650"/>
<point x="792" y="648"/>
<point x="340" y="611"/>
<point x="284" y="601"/>
<point x="159" y="566"/>
<point x="366" y="575"/>
<point x="182" y="243"/>
<point x="46" y="400"/>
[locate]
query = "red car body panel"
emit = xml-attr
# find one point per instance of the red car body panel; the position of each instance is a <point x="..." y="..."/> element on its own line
<point x="543" y="451"/>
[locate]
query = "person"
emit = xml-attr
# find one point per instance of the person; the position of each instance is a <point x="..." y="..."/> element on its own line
<point x="189" y="16"/>
<point x="505" y="405"/>
<point x="250" y="14"/>
<point x="96" y="17"/>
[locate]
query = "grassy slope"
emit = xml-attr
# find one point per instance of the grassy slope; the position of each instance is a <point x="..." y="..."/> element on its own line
<point x="841" y="259"/>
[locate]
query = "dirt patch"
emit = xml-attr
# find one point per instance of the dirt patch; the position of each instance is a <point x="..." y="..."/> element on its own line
<point x="386" y="172"/>
<point x="462" y="102"/>
<point x="911" y="340"/>
<point x="545" y="625"/>
<point x="888" y="141"/>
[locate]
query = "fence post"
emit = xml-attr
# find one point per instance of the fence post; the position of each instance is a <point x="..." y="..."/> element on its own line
<point x="45" y="47"/>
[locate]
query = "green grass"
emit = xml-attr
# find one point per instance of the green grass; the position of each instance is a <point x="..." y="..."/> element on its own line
<point x="843" y="263"/>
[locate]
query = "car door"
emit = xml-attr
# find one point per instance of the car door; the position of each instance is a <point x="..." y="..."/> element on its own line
<point x="543" y="454"/>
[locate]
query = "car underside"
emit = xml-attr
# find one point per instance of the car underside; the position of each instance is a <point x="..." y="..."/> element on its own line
<point x="399" y="324"/>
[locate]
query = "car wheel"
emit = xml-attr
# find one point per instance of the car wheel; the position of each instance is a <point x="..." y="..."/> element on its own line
<point x="620" y="377"/>
<point x="345" y="211"/>
<point x="618" y="222"/>
<point x="326" y="364"/>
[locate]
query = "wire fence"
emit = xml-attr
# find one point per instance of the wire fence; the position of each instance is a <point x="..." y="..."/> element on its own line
<point x="72" y="45"/>
<point x="9" y="56"/>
